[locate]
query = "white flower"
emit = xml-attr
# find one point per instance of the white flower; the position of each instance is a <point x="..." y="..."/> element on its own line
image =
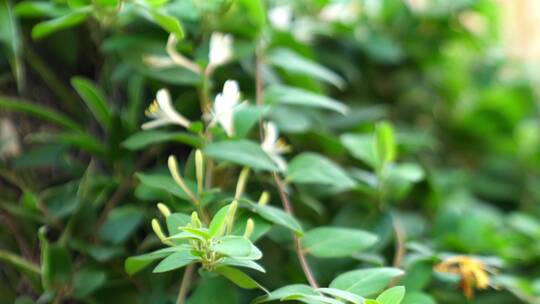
<point x="221" y="50"/>
<point x="343" y="12"/>
<point x="224" y="106"/>
<point x="281" y="17"/>
<point x="417" y="6"/>
<point x="274" y="146"/>
<point x="174" y="58"/>
<point x="162" y="112"/>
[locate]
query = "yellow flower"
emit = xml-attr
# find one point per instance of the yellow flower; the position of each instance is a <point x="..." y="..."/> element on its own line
<point x="473" y="272"/>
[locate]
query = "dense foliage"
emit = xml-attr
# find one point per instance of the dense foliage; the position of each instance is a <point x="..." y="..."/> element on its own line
<point x="250" y="151"/>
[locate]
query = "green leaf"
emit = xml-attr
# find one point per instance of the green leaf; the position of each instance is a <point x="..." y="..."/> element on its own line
<point x="56" y="265"/>
<point x="48" y="27"/>
<point x="256" y="11"/>
<point x="166" y="183"/>
<point x="246" y="117"/>
<point x="242" y="152"/>
<point x="94" y="99"/>
<point x="217" y="225"/>
<point x="169" y="23"/>
<point x="228" y="261"/>
<point x="121" y="223"/>
<point x="393" y="295"/>
<point x="318" y="299"/>
<point x="85" y="282"/>
<point x="418" y="298"/>
<point x="214" y="290"/>
<point x="175" y="221"/>
<point x="18" y="262"/>
<point x="386" y="147"/>
<point x="277" y="216"/>
<point x="81" y="140"/>
<point x="296" y="64"/>
<point x="313" y="168"/>
<point x="233" y="246"/>
<point x="362" y="147"/>
<point x="341" y="294"/>
<point x="174" y="261"/>
<point x="286" y="291"/>
<point x="141" y="140"/>
<point x="410" y="172"/>
<point x="137" y="263"/>
<point x="39" y="111"/>
<point x="10" y="34"/>
<point x="365" y="282"/>
<point x="40" y="9"/>
<point x="328" y="242"/>
<point x="281" y="94"/>
<point x="238" y="277"/>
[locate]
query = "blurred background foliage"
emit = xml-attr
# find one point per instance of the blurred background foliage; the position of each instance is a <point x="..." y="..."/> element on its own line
<point x="456" y="78"/>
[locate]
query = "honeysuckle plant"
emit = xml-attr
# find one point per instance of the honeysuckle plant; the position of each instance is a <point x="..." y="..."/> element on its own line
<point x="321" y="152"/>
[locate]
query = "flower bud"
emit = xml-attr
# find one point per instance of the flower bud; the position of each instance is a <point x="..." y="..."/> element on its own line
<point x="230" y="216"/>
<point x="157" y="230"/>
<point x="264" y="199"/>
<point x="195" y="221"/>
<point x="241" y="184"/>
<point x="199" y="168"/>
<point x="164" y="209"/>
<point x="250" y="226"/>
<point x="173" y="168"/>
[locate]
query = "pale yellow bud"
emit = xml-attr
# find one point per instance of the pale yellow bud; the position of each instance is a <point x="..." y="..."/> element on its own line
<point x="173" y="168"/>
<point x="195" y="221"/>
<point x="264" y="199"/>
<point x="250" y="226"/>
<point x="157" y="230"/>
<point x="199" y="168"/>
<point x="230" y="216"/>
<point x="164" y="209"/>
<point x="241" y="184"/>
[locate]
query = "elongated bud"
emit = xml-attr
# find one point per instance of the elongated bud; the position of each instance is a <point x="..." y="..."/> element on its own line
<point x="264" y="199"/>
<point x="250" y="225"/>
<point x="230" y="216"/>
<point x="157" y="230"/>
<point x="164" y="209"/>
<point x="173" y="168"/>
<point x="199" y="168"/>
<point x="241" y="184"/>
<point x="195" y="221"/>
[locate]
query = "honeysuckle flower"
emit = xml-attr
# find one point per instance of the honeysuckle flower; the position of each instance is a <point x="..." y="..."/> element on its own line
<point x="221" y="49"/>
<point x="473" y="272"/>
<point x="417" y="6"/>
<point x="174" y="58"/>
<point x="274" y="146"/>
<point x="162" y="112"/>
<point x="224" y="106"/>
<point x="281" y="17"/>
<point x="342" y="11"/>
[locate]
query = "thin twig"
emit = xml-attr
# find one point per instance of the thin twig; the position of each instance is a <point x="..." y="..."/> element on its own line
<point x="400" y="246"/>
<point x="186" y="282"/>
<point x="298" y="245"/>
